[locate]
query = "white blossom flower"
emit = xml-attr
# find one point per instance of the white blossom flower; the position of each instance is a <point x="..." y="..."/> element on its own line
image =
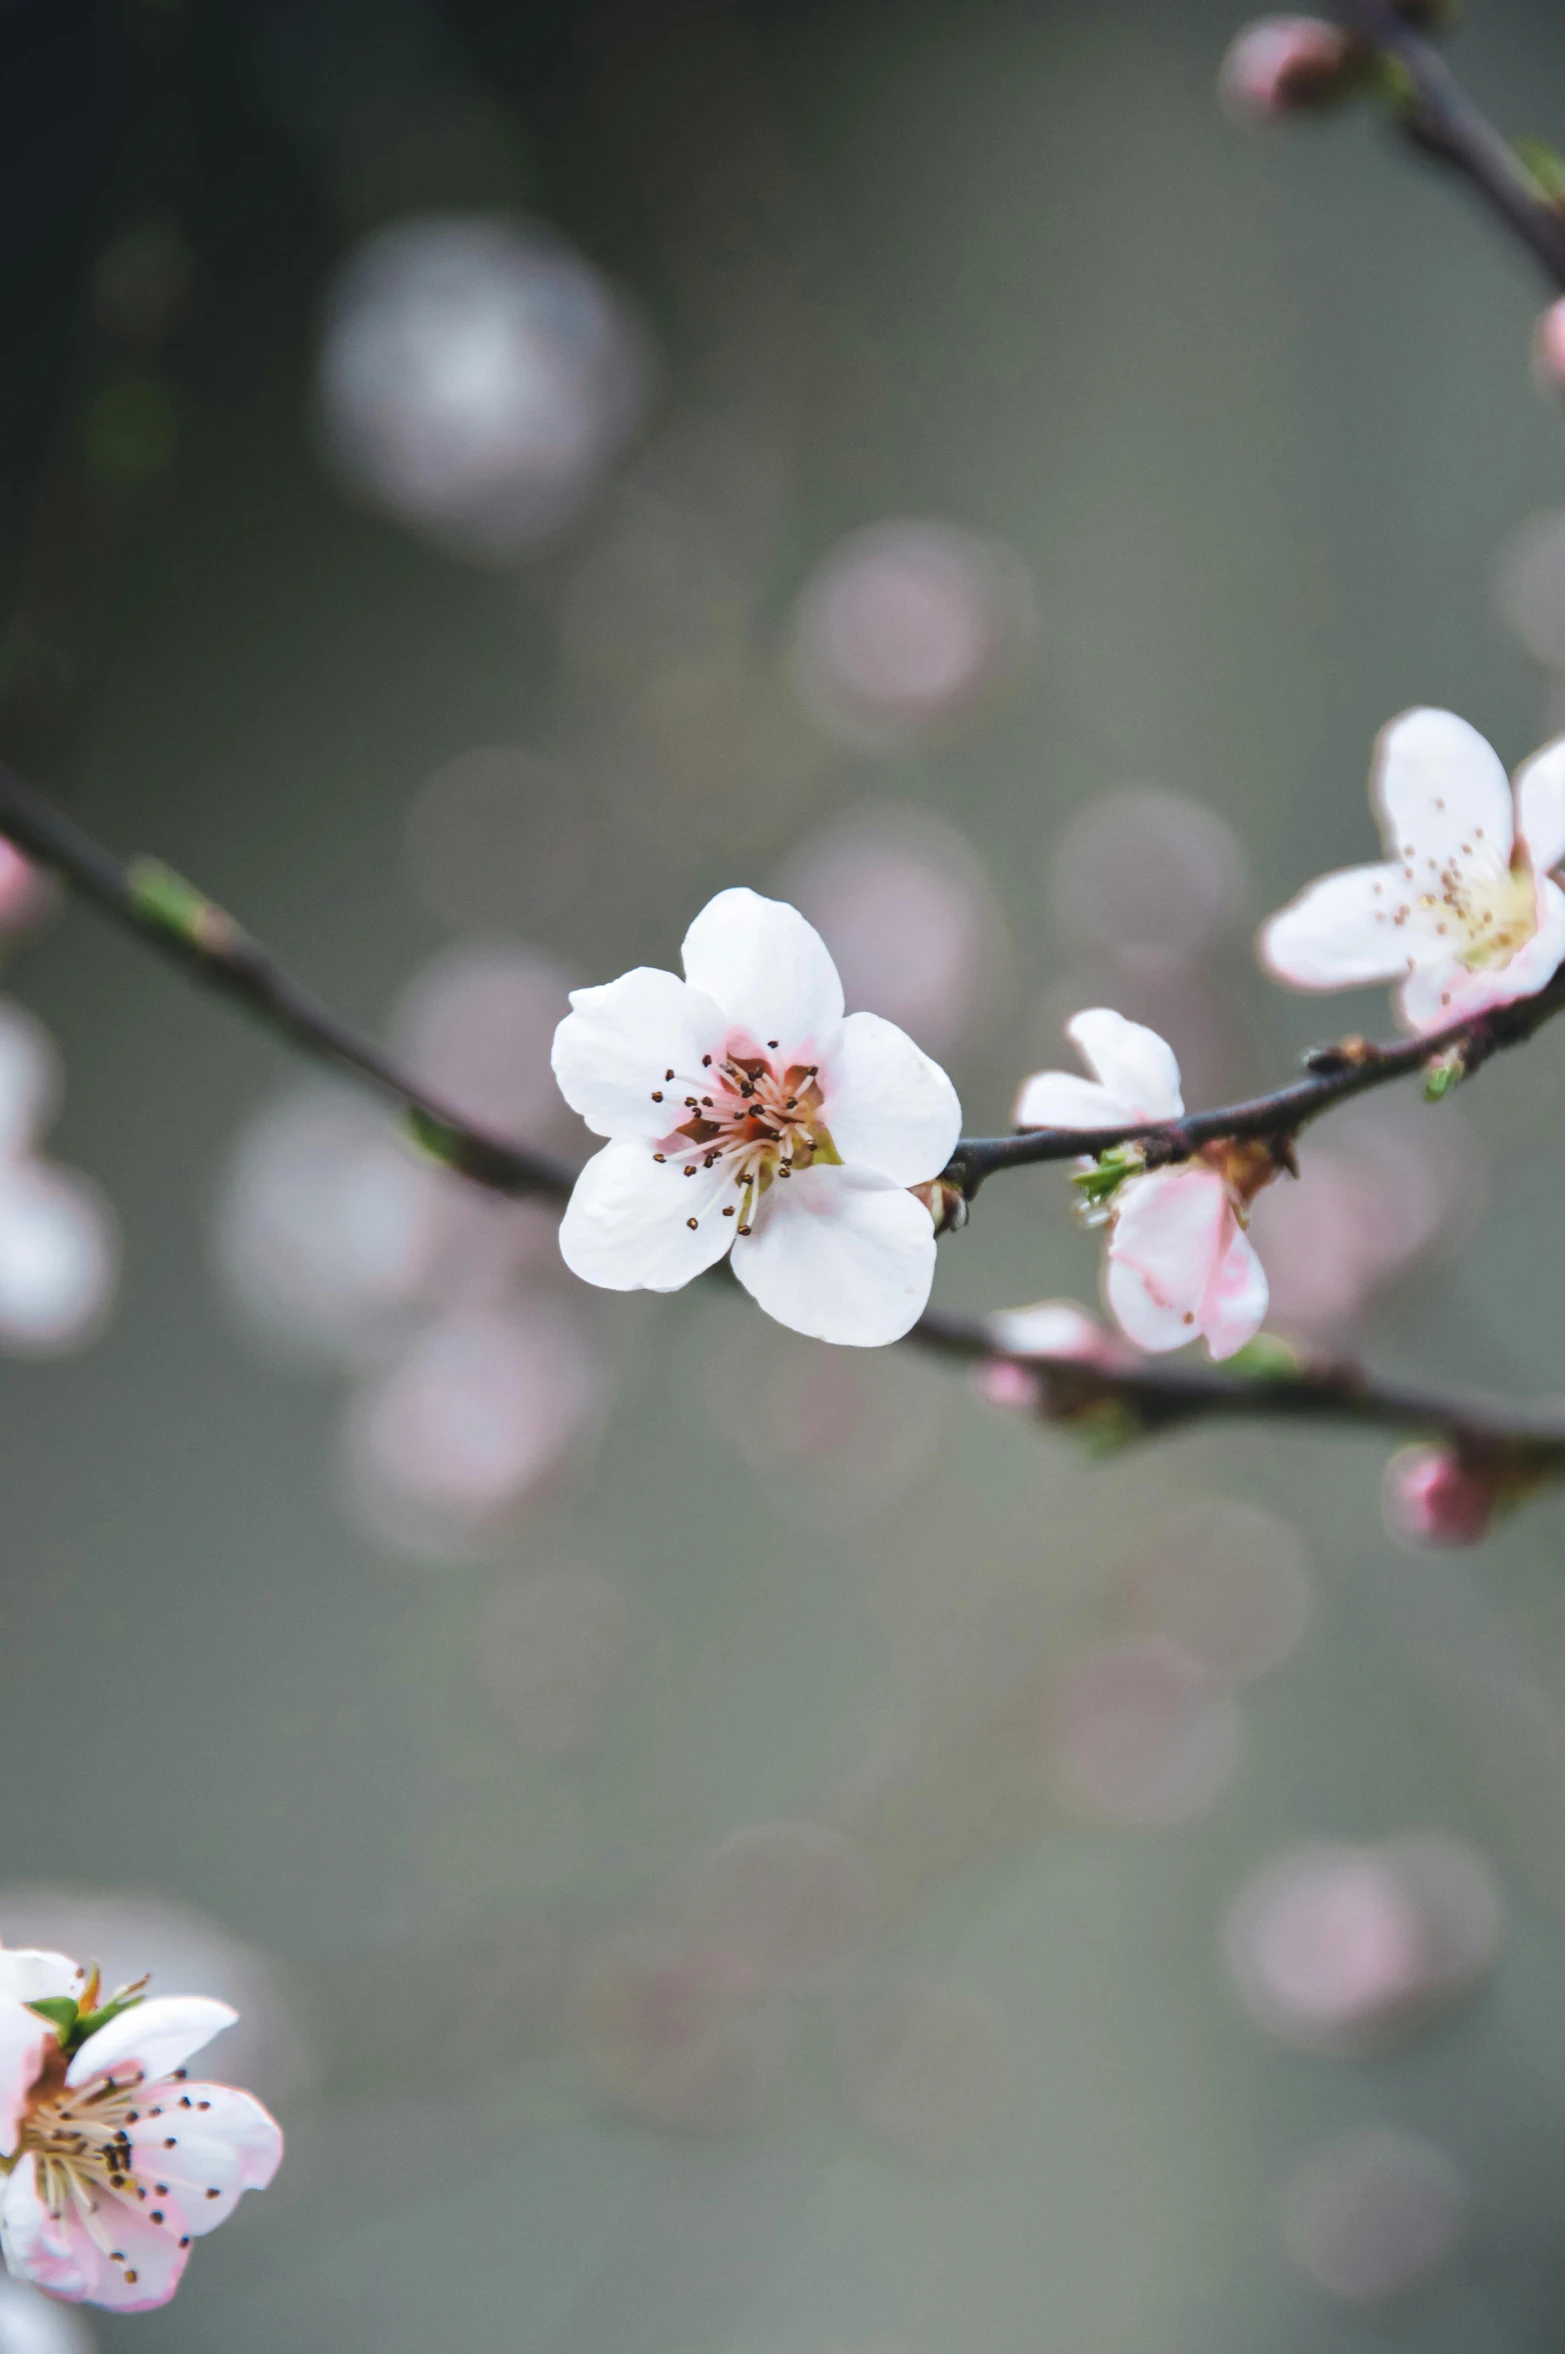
<point x="745" y="1112"/>
<point x="1180" y="1264"/>
<point x="1463" y="911"/>
<point x="114" y="2160"/>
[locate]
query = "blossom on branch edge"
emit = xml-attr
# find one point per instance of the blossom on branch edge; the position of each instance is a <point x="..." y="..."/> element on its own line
<point x="113" y="2159"/>
<point x="746" y="1112"/>
<point x="1464" y="912"/>
<point x="1180" y="1264"/>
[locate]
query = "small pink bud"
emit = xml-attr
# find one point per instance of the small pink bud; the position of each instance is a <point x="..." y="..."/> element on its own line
<point x="1000" y="1383"/>
<point x="1283" y="65"/>
<point x="1548" y="350"/>
<point x="1433" y="1498"/>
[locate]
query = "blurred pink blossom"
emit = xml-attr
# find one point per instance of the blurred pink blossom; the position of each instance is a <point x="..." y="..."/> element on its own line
<point x="904" y="628"/>
<point x="1373" y="2214"/>
<point x="1140" y="1732"/>
<point x="1285" y="65"/>
<point x="1433" y="1497"/>
<point x="1340" y="1949"/>
<point x="676" y="2033"/>
<point x="792" y="1902"/>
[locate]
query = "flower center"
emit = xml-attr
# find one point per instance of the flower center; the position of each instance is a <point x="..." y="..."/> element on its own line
<point x="1486" y="912"/>
<point x="760" y="1121"/>
<point x="78" y="2140"/>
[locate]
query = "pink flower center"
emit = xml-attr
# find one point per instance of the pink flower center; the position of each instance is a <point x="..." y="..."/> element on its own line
<point x="759" y="1118"/>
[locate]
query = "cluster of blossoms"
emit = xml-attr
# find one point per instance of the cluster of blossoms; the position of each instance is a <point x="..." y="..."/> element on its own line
<point x="114" y="2158"/>
<point x="747" y="1113"/>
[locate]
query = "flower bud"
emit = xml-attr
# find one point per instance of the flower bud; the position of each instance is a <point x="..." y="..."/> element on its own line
<point x="1548" y="350"/>
<point x="1433" y="1497"/>
<point x="1284" y="65"/>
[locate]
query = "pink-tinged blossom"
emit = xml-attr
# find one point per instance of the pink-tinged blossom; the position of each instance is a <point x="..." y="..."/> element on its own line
<point x="114" y="2159"/>
<point x="745" y="1113"/>
<point x="1433" y="1498"/>
<point x="1180" y="1265"/>
<point x="1463" y="912"/>
<point x="1285" y="65"/>
<point x="1548" y="349"/>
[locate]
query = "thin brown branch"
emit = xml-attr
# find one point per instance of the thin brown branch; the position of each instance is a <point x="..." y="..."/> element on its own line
<point x="1438" y="117"/>
<point x="1336" y="1074"/>
<point x="161" y="909"/>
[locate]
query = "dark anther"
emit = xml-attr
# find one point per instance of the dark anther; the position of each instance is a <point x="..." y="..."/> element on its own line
<point x="668" y="1074"/>
<point x="692" y="1223"/>
<point x="657" y="1095"/>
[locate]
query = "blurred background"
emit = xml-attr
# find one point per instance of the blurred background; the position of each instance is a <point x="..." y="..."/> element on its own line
<point x="477" y="476"/>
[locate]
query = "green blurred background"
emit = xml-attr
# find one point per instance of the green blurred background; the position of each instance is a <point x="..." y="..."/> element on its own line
<point x="1250" y="419"/>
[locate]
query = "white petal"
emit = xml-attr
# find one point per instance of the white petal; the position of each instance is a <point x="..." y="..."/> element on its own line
<point x="1234" y="1307"/>
<point x="209" y="2143"/>
<point x="1540" y="805"/>
<point x="1441" y="791"/>
<point x="1437" y="995"/>
<point x="626" y="1223"/>
<point x="53" y="2253"/>
<point x="1052" y="1328"/>
<point x="1169" y="1232"/>
<point x="1341" y="930"/>
<point x="615" y="1048"/>
<point x="27" y="1975"/>
<point x="888" y="1107"/>
<point x="1136" y="1066"/>
<point x="842" y="1255"/>
<point x="768" y="969"/>
<point x="1058" y="1099"/>
<point x="155" y="2037"/>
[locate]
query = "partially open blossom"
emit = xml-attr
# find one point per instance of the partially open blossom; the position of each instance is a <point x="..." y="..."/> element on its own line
<point x="745" y="1113"/>
<point x="1432" y="1497"/>
<point x="1548" y="349"/>
<point x="114" y="2159"/>
<point x="1180" y="1264"/>
<point x="1463" y="912"/>
<point x="1283" y="65"/>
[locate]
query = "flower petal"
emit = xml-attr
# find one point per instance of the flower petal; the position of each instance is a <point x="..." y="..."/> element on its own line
<point x="1169" y="1232"/>
<point x="1136" y="1066"/>
<point x="1340" y="930"/>
<point x="1234" y="1306"/>
<point x="626" y="1225"/>
<point x="1441" y="792"/>
<point x="27" y="1975"/>
<point x="768" y="969"/>
<point x="54" y="2252"/>
<point x="1540" y="805"/>
<point x="1436" y="995"/>
<point x="1058" y="1099"/>
<point x="209" y="2143"/>
<point x="615" y="1048"/>
<point x="888" y="1106"/>
<point x="840" y="1254"/>
<point x="136" y="2267"/>
<point x="1054" y="1328"/>
<point x="155" y="2037"/>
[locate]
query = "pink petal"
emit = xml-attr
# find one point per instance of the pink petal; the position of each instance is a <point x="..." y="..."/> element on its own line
<point x="1169" y="1232"/>
<point x="209" y="2143"/>
<point x="1234" y="1306"/>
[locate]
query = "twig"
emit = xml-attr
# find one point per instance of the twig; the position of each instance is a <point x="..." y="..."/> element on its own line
<point x="1439" y="118"/>
<point x="1151" y="1396"/>
<point x="169" y="914"/>
<point x="1336" y="1073"/>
